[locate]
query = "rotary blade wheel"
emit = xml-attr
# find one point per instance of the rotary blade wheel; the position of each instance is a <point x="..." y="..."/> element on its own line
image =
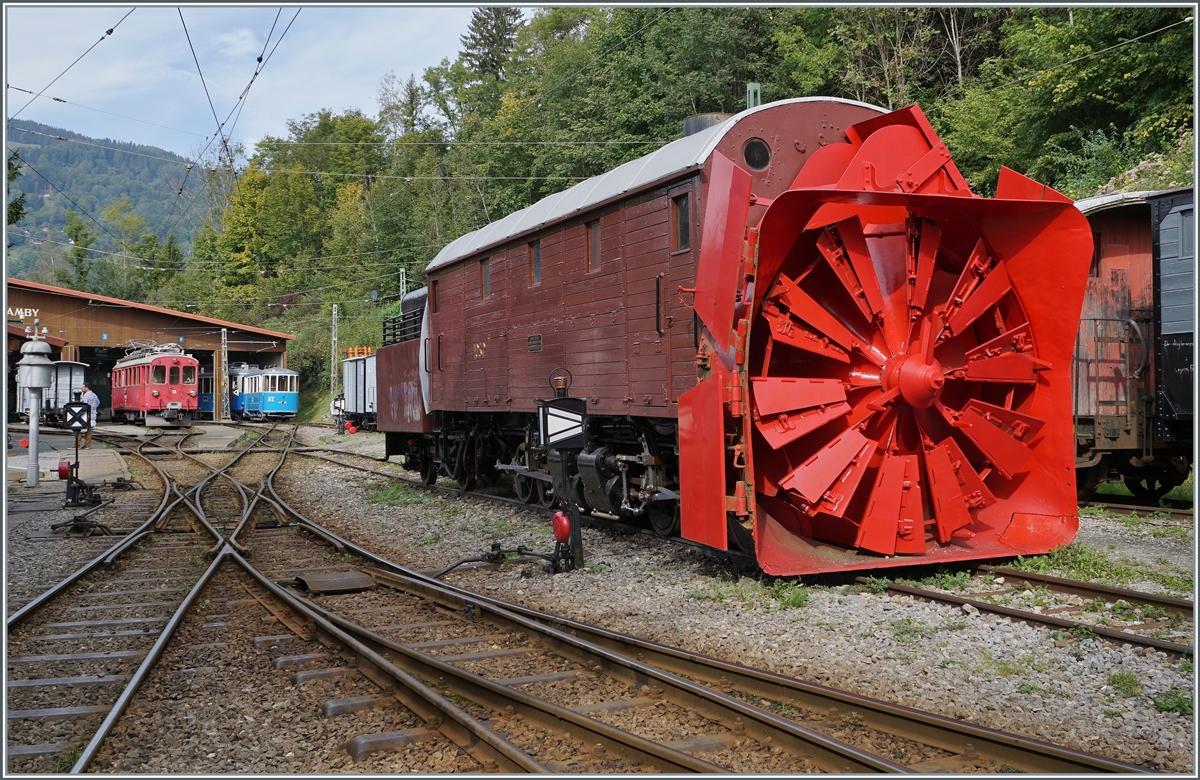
<point x="888" y="377"/>
<point x="523" y="486"/>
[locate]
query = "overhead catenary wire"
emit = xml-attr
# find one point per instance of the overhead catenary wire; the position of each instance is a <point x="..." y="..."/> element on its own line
<point x="107" y="33"/>
<point x="82" y="210"/>
<point x="1027" y="79"/>
<point x="102" y="111"/>
<point x="203" y="83"/>
<point x="203" y="264"/>
<point x="241" y="101"/>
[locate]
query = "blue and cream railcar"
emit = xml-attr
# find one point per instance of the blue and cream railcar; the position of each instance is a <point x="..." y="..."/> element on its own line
<point x="207" y="399"/>
<point x="264" y="393"/>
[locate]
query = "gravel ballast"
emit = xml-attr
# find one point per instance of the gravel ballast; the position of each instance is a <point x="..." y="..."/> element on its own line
<point x="980" y="668"/>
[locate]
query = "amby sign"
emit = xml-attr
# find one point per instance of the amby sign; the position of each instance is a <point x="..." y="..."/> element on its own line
<point x="21" y="314"/>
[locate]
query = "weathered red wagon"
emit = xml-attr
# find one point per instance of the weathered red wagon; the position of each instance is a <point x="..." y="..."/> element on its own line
<point x="797" y="331"/>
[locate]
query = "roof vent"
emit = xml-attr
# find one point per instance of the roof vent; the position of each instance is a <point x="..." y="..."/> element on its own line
<point x="694" y="124"/>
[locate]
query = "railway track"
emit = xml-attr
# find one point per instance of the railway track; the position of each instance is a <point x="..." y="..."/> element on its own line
<point x="1077" y="609"/>
<point x="1148" y="614"/>
<point x="1178" y="514"/>
<point x="398" y="659"/>
<point x="591" y="519"/>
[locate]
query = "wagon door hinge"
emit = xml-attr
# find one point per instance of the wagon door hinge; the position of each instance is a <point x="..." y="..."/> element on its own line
<point x="738" y="503"/>
<point x="732" y="395"/>
<point x="739" y="341"/>
<point x="749" y="261"/>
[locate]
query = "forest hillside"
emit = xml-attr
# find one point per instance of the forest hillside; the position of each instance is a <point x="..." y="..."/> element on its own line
<point x="349" y="207"/>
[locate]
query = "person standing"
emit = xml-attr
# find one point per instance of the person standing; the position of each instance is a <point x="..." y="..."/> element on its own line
<point x="92" y="400"/>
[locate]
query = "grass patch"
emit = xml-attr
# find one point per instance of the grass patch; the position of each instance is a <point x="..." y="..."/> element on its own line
<point x="1111" y="713"/>
<point x="395" y="493"/>
<point x="1185" y="665"/>
<point x="430" y="540"/>
<point x="1125" y="683"/>
<point x="910" y="630"/>
<point x="876" y="585"/>
<point x="314" y="406"/>
<point x="1175" y="700"/>
<point x="780" y="594"/>
<point x="1080" y="562"/>
<point x="1009" y="667"/>
<point x="66" y="759"/>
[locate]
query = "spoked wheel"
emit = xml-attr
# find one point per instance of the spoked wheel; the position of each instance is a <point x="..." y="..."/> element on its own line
<point x="545" y="494"/>
<point x="896" y="364"/>
<point x="664" y="517"/>
<point x="428" y="471"/>
<point x="523" y="486"/>
<point x="741" y="536"/>
<point x="461" y="457"/>
<point x="1088" y="480"/>
<point x="1149" y="490"/>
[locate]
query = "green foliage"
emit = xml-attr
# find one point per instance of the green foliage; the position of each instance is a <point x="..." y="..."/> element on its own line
<point x="1080" y="562"/>
<point x="345" y="204"/>
<point x="910" y="630"/>
<point x="16" y="206"/>
<point x="95" y="178"/>
<point x="395" y="493"/>
<point x="1185" y="666"/>
<point x="1125" y="683"/>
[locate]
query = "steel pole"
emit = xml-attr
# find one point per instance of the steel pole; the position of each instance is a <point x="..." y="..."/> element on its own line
<point x="35" y="418"/>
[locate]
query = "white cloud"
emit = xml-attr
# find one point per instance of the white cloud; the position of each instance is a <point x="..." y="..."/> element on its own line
<point x="332" y="57"/>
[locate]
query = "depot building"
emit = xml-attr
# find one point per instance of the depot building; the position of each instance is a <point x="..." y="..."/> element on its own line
<point x="98" y="330"/>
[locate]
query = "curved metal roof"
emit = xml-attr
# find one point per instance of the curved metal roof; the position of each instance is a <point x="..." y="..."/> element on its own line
<point x="674" y="158"/>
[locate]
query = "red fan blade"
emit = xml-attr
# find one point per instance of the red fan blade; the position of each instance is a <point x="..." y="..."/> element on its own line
<point x="981" y="285"/>
<point x="773" y="395"/>
<point x="784" y="429"/>
<point x="949" y="503"/>
<point x="931" y="239"/>
<point x="802" y="305"/>
<point x="836" y="257"/>
<point x="836" y="499"/>
<point x="810" y="479"/>
<point x="785" y="330"/>
<point x="888" y="248"/>
<point x="850" y="231"/>
<point x="974" y="491"/>
<point x="986" y="295"/>
<point x="877" y="532"/>
<point x="1013" y="367"/>
<point x="1015" y="340"/>
<point x="910" y="531"/>
<point x="999" y="433"/>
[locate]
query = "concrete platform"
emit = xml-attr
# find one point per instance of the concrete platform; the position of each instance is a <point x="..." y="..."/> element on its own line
<point x="99" y="463"/>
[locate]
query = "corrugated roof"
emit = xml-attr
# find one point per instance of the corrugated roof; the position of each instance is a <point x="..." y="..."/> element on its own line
<point x="1102" y="202"/>
<point x="672" y="159"/>
<point x="145" y="306"/>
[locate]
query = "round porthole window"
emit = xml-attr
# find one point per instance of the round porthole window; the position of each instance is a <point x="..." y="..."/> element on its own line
<point x="757" y="154"/>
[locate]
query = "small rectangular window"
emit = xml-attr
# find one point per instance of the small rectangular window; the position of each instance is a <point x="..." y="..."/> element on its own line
<point x="593" y="246"/>
<point x="160" y="374"/>
<point x="535" y="262"/>
<point x="1095" y="269"/>
<point x="681" y="234"/>
<point x="174" y="375"/>
<point x="485" y="276"/>
<point x="189" y="375"/>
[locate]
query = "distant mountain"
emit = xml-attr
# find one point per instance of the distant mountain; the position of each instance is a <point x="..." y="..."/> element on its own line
<point x="95" y="178"/>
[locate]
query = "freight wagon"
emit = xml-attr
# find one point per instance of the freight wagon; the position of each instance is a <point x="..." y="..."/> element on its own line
<point x="797" y="332"/>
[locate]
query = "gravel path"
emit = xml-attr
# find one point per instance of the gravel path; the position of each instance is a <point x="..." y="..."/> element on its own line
<point x="979" y="668"/>
<point x="1085" y="694"/>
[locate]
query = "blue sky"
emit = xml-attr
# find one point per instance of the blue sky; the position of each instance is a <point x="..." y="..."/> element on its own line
<point x="332" y="57"/>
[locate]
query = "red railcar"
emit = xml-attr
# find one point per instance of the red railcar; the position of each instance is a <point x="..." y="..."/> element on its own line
<point x="797" y="332"/>
<point x="156" y="385"/>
